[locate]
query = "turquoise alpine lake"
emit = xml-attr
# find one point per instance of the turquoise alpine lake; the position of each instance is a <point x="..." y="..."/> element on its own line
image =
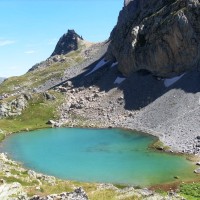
<point x="96" y="155"/>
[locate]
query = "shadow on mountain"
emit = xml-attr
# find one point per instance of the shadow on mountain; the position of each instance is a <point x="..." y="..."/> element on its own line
<point x="140" y="89"/>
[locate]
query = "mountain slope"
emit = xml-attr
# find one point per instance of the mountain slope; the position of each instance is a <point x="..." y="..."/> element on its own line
<point x="53" y="71"/>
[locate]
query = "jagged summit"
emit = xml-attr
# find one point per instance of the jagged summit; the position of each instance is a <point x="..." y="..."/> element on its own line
<point x="68" y="42"/>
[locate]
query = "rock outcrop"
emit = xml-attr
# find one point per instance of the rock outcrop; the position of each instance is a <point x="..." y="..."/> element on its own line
<point x="12" y="191"/>
<point x="68" y="42"/>
<point x="14" y="107"/>
<point x="161" y="36"/>
<point x="78" y="194"/>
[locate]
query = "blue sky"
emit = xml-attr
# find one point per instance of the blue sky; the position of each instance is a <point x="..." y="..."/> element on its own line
<point x="30" y="29"/>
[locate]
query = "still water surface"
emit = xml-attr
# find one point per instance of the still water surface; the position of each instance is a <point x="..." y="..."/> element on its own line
<point x="96" y="155"/>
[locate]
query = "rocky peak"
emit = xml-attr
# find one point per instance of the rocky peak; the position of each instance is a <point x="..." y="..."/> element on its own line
<point x="68" y="42"/>
<point x="126" y="2"/>
<point x="161" y="36"/>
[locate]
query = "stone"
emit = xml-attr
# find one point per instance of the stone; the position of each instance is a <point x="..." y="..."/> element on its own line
<point x="51" y="122"/>
<point x="198" y="163"/>
<point x="68" y="84"/>
<point x="27" y="96"/>
<point x="63" y="89"/>
<point x="48" y="96"/>
<point x="162" y="37"/>
<point x="32" y="174"/>
<point x="176" y="177"/>
<point x="197" y="171"/>
<point x="2" y="181"/>
<point x="37" y="188"/>
<point x="146" y="192"/>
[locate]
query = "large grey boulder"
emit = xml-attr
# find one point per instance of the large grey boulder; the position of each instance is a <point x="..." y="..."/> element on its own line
<point x="161" y="36"/>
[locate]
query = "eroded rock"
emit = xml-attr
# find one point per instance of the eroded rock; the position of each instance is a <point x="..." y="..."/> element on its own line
<point x="162" y="37"/>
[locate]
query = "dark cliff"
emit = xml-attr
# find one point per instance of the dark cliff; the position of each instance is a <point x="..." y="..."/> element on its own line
<point x="161" y="36"/>
<point x="68" y="42"/>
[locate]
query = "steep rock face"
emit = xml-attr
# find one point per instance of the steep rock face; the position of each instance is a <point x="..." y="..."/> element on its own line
<point x="68" y="42"/>
<point x="161" y="36"/>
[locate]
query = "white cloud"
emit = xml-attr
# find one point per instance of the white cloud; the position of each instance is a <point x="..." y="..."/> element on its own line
<point x="30" y="52"/>
<point x="6" y="42"/>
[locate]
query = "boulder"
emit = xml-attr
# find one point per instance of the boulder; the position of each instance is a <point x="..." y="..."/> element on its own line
<point x="48" y="96"/>
<point x="162" y="37"/>
<point x="68" y="84"/>
<point x="27" y="96"/>
<point x="51" y="122"/>
<point x="197" y="171"/>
